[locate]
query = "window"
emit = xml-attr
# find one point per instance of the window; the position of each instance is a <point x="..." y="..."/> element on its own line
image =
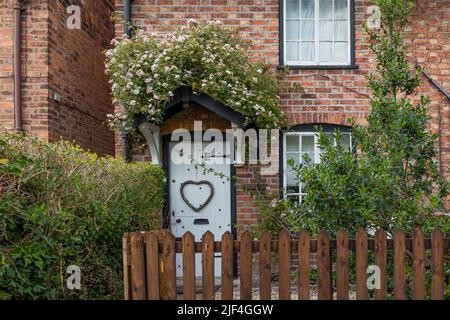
<point x="317" y="32"/>
<point x="298" y="145"/>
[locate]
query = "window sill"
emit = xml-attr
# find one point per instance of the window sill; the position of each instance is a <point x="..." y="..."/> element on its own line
<point x="319" y="67"/>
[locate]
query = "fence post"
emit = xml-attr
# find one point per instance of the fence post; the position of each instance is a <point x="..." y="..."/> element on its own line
<point x="361" y="265"/>
<point x="152" y="252"/>
<point x="284" y="248"/>
<point x="418" y="265"/>
<point x="138" y="267"/>
<point x="437" y="249"/>
<point x="342" y="265"/>
<point x="265" y="263"/>
<point x="168" y="269"/>
<point x="381" y="262"/>
<point x="189" y="266"/>
<point x="324" y="266"/>
<point x="227" y="266"/>
<point x="304" y="265"/>
<point x="208" y="265"/>
<point x="399" y="265"/>
<point x="246" y="266"/>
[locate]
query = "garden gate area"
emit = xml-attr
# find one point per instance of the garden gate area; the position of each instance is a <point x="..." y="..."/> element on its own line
<point x="150" y="265"/>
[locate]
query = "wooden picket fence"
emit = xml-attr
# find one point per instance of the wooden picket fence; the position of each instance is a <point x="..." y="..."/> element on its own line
<point x="150" y="264"/>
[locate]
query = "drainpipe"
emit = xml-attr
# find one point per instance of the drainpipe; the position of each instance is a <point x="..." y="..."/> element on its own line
<point x="127" y="17"/>
<point x="17" y="12"/>
<point x="445" y="93"/>
<point x="126" y="29"/>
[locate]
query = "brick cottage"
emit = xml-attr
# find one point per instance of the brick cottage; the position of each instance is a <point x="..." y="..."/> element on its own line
<point x="65" y="93"/>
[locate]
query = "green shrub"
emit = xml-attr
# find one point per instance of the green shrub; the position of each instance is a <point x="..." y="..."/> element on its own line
<point x="61" y="206"/>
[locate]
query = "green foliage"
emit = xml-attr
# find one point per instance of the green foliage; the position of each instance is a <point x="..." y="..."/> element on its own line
<point x="146" y="70"/>
<point x="62" y="206"/>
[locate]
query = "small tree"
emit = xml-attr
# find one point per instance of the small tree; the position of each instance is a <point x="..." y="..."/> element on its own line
<point x="390" y="179"/>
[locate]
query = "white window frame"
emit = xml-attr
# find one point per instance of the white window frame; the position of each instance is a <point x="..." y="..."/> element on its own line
<point x="316" y="159"/>
<point x="317" y="62"/>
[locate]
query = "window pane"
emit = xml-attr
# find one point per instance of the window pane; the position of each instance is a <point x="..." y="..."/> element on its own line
<point x="292" y="51"/>
<point x="292" y="185"/>
<point x="340" y="9"/>
<point x="308" y="30"/>
<point x="341" y="31"/>
<point x="292" y="9"/>
<point x="326" y="30"/>
<point x="326" y="9"/>
<point x="293" y="188"/>
<point x="307" y="51"/>
<point x="307" y="143"/>
<point x="292" y="156"/>
<point x="341" y="52"/>
<point x="292" y="30"/>
<point x="307" y="9"/>
<point x="345" y="140"/>
<point x="292" y="144"/>
<point x="325" y="51"/>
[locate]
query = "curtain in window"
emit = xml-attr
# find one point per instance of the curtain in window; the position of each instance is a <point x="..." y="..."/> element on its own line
<point x="330" y="41"/>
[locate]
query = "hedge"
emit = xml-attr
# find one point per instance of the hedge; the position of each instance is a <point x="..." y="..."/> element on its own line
<point x="62" y="206"/>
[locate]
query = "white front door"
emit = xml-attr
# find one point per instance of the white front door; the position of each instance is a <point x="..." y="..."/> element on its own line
<point x="200" y="195"/>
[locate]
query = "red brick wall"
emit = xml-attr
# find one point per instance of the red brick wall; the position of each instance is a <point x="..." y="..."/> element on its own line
<point x="68" y="62"/>
<point x="34" y="67"/>
<point x="76" y="73"/>
<point x="429" y="39"/>
<point x="325" y="96"/>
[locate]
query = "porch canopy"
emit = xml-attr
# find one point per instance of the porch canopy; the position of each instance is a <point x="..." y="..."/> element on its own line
<point x="182" y="99"/>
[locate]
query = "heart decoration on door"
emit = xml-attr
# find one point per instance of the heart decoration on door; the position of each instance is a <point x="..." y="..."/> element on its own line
<point x="199" y="183"/>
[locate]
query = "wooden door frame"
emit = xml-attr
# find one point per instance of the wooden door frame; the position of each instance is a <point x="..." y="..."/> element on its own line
<point x="166" y="140"/>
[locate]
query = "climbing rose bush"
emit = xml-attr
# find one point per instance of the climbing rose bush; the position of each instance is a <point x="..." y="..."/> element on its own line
<point x="146" y="70"/>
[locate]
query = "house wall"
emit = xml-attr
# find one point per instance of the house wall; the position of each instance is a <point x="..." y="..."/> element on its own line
<point x="34" y="67"/>
<point x="325" y="96"/>
<point x="57" y="59"/>
<point x="77" y="74"/>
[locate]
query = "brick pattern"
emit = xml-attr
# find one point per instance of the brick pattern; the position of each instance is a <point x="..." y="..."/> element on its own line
<point x="58" y="60"/>
<point x="76" y="73"/>
<point x="429" y="40"/>
<point x="325" y="96"/>
<point x="34" y="67"/>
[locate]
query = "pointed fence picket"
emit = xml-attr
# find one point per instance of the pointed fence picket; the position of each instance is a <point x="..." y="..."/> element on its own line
<point x="150" y="265"/>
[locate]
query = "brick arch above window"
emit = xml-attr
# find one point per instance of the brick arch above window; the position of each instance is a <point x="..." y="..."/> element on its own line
<point x="332" y="118"/>
<point x="311" y="127"/>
